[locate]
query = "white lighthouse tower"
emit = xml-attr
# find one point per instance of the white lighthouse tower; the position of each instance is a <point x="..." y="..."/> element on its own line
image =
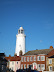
<point x="20" y="42"/>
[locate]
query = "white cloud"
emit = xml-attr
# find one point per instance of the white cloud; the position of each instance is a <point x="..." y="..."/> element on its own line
<point x="41" y="41"/>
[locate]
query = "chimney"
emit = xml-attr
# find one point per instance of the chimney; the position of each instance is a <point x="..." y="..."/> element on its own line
<point x="15" y="54"/>
<point x="51" y="47"/>
<point x="9" y="55"/>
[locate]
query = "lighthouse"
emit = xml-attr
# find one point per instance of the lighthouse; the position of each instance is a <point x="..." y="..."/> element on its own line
<point x="20" y="42"/>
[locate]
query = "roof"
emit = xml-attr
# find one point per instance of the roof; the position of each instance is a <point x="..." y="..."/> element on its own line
<point x="2" y="54"/>
<point x="3" y="59"/>
<point x="35" y="52"/>
<point x="51" y="56"/>
<point x="14" y="58"/>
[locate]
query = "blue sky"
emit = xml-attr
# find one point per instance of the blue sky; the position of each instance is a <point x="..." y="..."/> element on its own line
<point x="35" y="16"/>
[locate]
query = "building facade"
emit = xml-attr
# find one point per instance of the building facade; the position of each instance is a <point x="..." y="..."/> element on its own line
<point x="3" y="63"/>
<point x="50" y="61"/>
<point x="13" y="63"/>
<point x="20" y="42"/>
<point x="36" y="59"/>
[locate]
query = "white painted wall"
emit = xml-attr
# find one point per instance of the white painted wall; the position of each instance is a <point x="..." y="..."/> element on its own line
<point x="47" y="71"/>
<point x="14" y="65"/>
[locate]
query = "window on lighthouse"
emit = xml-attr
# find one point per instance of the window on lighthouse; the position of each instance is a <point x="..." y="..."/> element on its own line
<point x="21" y="31"/>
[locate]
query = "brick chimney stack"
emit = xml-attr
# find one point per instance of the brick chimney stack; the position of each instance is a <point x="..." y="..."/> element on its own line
<point x="51" y="47"/>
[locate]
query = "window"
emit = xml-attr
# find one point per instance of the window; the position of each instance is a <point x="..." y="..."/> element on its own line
<point x="25" y="59"/>
<point x="38" y="58"/>
<point x="50" y="68"/>
<point x="42" y="66"/>
<point x="21" y="59"/>
<point x="21" y="66"/>
<point x="34" y="58"/>
<point x="50" y="61"/>
<point x="12" y="68"/>
<point x="28" y="59"/>
<point x="31" y="66"/>
<point x="24" y="66"/>
<point x="21" y="31"/>
<point x="38" y="67"/>
<point x="7" y="63"/>
<point x="42" y="58"/>
<point x="2" y="67"/>
<point x="12" y="63"/>
<point x="17" y="68"/>
<point x="27" y="65"/>
<point x="17" y="62"/>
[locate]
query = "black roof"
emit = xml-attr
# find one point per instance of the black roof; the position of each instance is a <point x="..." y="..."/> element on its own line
<point x="51" y="56"/>
<point x="2" y="54"/>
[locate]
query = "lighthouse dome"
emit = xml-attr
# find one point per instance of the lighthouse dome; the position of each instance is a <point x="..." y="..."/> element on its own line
<point x="21" y="27"/>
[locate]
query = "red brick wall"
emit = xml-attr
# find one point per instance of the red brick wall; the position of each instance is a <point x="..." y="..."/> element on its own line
<point x="30" y="62"/>
<point x="51" y="53"/>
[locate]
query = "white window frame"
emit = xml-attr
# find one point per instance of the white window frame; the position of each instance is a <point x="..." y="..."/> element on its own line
<point x="43" y="58"/>
<point x="24" y="59"/>
<point x="28" y="59"/>
<point x="17" y="62"/>
<point x="24" y="66"/>
<point x="21" y="59"/>
<point x="27" y="65"/>
<point x="50" y="60"/>
<point x="49" y="68"/>
<point x="12" y="62"/>
<point x="43" y="67"/>
<point x="34" y="58"/>
<point x="21" y="66"/>
<point x="12" y="68"/>
<point x="17" y="68"/>
<point x="31" y="59"/>
<point x="38" y="58"/>
<point x="39" y="68"/>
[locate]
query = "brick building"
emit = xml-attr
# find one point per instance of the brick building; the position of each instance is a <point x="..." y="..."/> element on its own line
<point x="36" y="59"/>
<point x="50" y="61"/>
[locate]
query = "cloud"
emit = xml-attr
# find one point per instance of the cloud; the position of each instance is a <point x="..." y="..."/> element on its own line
<point x="41" y="41"/>
<point x="48" y="26"/>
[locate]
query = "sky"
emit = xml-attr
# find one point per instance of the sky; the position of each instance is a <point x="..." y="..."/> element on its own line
<point x="35" y="16"/>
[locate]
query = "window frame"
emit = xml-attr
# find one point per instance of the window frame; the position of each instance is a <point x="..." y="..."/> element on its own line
<point x="24" y="59"/>
<point x="38" y="58"/>
<point x="50" y="60"/>
<point x="31" y="58"/>
<point x="24" y="66"/>
<point x="27" y="65"/>
<point x="42" y="67"/>
<point x="12" y="62"/>
<point x="21" y="66"/>
<point x="34" y="58"/>
<point x="39" y="68"/>
<point x="49" y="68"/>
<point x="17" y="62"/>
<point x="43" y="58"/>
<point x="28" y="59"/>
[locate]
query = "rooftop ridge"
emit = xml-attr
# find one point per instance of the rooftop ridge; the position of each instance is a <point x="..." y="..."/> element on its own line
<point x="41" y="49"/>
